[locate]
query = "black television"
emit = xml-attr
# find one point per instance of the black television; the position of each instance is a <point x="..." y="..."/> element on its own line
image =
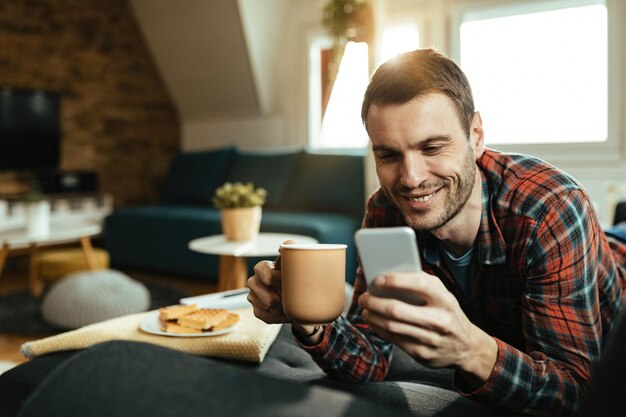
<point x="30" y="132"/>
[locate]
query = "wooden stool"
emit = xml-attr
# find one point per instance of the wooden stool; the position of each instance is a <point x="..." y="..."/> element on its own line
<point x="57" y="263"/>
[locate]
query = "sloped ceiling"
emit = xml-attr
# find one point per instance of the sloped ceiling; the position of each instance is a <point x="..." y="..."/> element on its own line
<point x="200" y="49"/>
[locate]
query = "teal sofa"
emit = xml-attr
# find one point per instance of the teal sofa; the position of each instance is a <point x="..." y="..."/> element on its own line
<point x="313" y="194"/>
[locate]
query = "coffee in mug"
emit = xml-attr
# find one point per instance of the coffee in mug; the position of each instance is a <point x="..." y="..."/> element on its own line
<point x="313" y="281"/>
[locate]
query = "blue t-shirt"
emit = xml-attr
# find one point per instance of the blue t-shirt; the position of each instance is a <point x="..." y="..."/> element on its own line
<point x="460" y="268"/>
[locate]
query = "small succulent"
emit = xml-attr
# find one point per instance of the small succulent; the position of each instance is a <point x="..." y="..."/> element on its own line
<point x="237" y="195"/>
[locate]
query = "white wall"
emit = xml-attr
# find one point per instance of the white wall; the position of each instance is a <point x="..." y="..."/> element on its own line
<point x="260" y="132"/>
<point x="200" y="49"/>
<point x="263" y="23"/>
<point x="277" y="38"/>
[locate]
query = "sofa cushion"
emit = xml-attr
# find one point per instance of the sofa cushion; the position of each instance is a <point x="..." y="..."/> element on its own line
<point x="194" y="176"/>
<point x="270" y="170"/>
<point x="327" y="182"/>
<point x="157" y="237"/>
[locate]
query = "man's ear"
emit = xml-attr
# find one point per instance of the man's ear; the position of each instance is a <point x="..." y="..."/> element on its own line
<point x="477" y="135"/>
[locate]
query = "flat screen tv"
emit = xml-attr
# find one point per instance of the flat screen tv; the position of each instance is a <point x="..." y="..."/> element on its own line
<point x="30" y="131"/>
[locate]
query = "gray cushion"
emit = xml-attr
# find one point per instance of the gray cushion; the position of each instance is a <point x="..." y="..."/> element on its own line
<point x="327" y="182"/>
<point x="194" y="176"/>
<point x="89" y="297"/>
<point x="270" y="170"/>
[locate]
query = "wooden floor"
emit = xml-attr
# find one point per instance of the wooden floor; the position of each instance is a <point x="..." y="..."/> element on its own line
<point x="15" y="277"/>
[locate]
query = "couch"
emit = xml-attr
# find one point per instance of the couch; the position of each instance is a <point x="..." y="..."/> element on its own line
<point x="137" y="379"/>
<point x="313" y="194"/>
<point x="123" y="378"/>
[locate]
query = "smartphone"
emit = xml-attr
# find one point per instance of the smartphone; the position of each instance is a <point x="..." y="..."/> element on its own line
<point x="388" y="249"/>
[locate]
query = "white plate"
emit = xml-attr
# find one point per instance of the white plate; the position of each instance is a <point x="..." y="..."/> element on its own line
<point x="152" y="325"/>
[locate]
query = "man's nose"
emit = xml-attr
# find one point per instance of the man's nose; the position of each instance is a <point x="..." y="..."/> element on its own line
<point x="413" y="171"/>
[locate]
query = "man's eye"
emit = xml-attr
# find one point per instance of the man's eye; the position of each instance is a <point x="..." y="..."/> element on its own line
<point x="431" y="150"/>
<point x="387" y="156"/>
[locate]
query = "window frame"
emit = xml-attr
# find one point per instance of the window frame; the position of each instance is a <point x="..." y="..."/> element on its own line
<point x="318" y="40"/>
<point x="609" y="150"/>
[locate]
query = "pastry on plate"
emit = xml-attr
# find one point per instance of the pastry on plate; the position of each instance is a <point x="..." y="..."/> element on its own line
<point x="230" y="320"/>
<point x="176" y="311"/>
<point x="171" y="327"/>
<point x="204" y="318"/>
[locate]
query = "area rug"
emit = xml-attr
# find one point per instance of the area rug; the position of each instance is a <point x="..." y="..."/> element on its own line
<point x="20" y="313"/>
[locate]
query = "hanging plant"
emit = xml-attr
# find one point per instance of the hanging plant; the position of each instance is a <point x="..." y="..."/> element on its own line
<point x="346" y="20"/>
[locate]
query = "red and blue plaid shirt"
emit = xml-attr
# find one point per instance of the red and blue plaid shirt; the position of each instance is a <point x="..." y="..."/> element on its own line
<point x="547" y="286"/>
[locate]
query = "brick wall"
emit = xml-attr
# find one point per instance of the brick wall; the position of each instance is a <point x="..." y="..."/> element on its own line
<point x="117" y="116"/>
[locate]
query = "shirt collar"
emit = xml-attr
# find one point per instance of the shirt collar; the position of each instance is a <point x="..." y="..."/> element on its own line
<point x="491" y="243"/>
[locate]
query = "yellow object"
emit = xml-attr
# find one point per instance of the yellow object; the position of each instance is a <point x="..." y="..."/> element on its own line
<point x="55" y="264"/>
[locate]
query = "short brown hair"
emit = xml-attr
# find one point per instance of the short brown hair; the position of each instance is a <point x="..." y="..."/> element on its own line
<point x="416" y="73"/>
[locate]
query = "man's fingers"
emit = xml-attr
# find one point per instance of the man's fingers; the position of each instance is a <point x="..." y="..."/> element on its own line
<point x="268" y="316"/>
<point x="262" y="295"/>
<point x="429" y="317"/>
<point x="268" y="274"/>
<point x="394" y="328"/>
<point x="265" y="293"/>
<point x="427" y="286"/>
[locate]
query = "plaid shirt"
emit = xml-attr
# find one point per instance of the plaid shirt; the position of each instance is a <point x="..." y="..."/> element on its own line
<point x="547" y="287"/>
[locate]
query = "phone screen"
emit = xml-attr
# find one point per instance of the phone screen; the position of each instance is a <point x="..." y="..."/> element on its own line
<point x="389" y="249"/>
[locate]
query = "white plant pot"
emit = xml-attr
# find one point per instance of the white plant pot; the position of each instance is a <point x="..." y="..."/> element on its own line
<point x="38" y="218"/>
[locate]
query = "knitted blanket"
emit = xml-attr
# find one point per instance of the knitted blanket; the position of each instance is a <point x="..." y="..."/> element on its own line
<point x="248" y="342"/>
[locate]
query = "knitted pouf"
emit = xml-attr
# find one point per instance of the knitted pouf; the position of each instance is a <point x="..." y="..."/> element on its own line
<point x="84" y="298"/>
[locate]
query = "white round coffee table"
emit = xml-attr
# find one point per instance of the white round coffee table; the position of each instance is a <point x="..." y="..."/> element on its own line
<point x="233" y="269"/>
<point x="60" y="232"/>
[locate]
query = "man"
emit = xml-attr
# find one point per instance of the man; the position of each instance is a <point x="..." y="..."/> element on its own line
<point x="521" y="283"/>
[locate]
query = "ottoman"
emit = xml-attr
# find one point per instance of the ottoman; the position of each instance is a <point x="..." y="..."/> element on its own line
<point x="57" y="263"/>
<point x="92" y="296"/>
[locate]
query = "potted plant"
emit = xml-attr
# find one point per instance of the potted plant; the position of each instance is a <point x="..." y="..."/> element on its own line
<point x="240" y="209"/>
<point x="347" y="20"/>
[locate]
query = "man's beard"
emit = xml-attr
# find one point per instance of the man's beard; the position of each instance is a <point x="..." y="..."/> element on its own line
<point x="453" y="204"/>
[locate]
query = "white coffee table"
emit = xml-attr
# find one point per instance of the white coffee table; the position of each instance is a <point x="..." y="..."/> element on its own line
<point x="233" y="269"/>
<point x="60" y="232"/>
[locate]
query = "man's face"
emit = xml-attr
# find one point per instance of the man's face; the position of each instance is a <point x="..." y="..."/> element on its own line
<point x="424" y="160"/>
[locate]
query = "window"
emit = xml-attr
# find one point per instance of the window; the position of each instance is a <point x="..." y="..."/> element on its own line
<point x="341" y="122"/>
<point x="539" y="75"/>
<point x="335" y="115"/>
<point x="399" y="38"/>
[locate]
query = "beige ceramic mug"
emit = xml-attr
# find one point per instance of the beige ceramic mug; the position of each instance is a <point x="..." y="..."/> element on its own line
<point x="313" y="281"/>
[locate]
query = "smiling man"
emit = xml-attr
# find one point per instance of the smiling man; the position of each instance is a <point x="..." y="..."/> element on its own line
<point x="521" y="283"/>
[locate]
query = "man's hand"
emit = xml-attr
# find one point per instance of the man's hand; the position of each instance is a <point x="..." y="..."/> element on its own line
<point x="438" y="334"/>
<point x="265" y="294"/>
